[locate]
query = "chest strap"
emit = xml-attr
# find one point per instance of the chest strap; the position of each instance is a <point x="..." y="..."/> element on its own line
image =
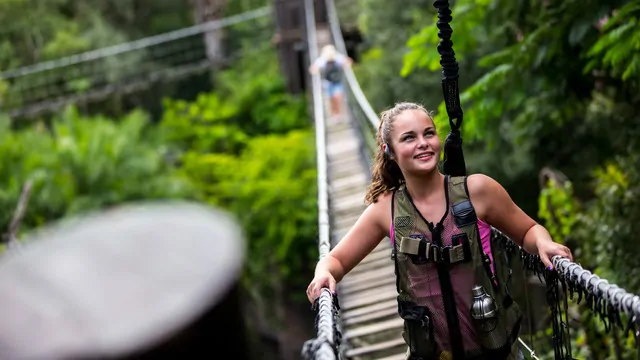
<point x="420" y="250"/>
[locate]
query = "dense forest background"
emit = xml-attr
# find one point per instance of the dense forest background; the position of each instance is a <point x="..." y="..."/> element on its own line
<point x="551" y="111"/>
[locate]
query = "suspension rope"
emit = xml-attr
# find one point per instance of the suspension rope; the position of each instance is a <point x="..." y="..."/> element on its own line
<point x="136" y="44"/>
<point x="143" y="80"/>
<point x="532" y="353"/>
<point x="453" y="163"/>
<point x="606" y="301"/>
<point x="579" y="279"/>
<point x="327" y="342"/>
<point x="449" y="65"/>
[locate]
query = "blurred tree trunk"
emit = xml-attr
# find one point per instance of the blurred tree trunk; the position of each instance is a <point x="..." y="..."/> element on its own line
<point x="209" y="10"/>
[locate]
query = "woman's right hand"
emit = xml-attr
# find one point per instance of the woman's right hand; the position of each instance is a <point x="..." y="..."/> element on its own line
<point x="321" y="280"/>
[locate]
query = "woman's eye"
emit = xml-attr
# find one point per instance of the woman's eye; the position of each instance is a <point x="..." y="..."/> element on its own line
<point x="408" y="137"/>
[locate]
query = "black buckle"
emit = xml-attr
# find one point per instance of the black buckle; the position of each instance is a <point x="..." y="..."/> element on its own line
<point x="423" y="250"/>
<point x="448" y="254"/>
<point x="436" y="254"/>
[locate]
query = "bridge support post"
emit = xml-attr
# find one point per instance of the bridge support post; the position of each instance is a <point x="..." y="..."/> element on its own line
<point x="291" y="42"/>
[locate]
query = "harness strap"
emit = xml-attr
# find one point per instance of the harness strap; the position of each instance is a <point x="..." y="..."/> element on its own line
<point x="421" y="248"/>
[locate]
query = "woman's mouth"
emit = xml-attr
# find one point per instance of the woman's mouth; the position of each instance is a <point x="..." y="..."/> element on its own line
<point x="426" y="156"/>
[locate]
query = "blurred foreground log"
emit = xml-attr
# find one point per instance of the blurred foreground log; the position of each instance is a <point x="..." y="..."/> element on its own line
<point x="135" y="282"/>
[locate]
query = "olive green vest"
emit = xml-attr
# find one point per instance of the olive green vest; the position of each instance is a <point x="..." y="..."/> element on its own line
<point x="437" y="265"/>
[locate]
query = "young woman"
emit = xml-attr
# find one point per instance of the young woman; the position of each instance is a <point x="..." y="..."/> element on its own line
<point x="451" y="284"/>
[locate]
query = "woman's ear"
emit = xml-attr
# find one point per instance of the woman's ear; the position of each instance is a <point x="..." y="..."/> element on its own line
<point x="386" y="150"/>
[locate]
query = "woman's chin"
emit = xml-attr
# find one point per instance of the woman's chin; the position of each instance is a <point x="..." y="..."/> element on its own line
<point x="425" y="169"/>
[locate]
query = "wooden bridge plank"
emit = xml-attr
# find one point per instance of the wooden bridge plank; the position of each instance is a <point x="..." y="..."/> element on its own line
<point x="356" y="320"/>
<point x="348" y="314"/>
<point x="357" y="301"/>
<point x="392" y="324"/>
<point x="401" y="356"/>
<point x="375" y="347"/>
<point x="352" y="278"/>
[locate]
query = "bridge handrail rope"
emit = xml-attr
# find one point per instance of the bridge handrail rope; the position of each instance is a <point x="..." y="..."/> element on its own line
<point x="579" y="277"/>
<point x="570" y="275"/>
<point x="165" y="74"/>
<point x="129" y="67"/>
<point x="326" y="344"/>
<point x="136" y="44"/>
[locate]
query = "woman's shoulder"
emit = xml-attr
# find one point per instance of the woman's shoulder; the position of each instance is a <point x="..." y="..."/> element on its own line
<point x="485" y="193"/>
<point x="386" y="197"/>
<point x="382" y="206"/>
<point x="479" y="184"/>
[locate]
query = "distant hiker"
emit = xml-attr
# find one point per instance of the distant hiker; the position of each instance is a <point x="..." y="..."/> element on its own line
<point x="331" y="64"/>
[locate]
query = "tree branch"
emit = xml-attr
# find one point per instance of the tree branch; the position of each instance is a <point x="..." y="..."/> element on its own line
<point x="12" y="235"/>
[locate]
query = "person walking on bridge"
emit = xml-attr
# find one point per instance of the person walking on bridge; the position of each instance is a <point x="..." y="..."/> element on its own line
<point x="331" y="65"/>
<point x="452" y="278"/>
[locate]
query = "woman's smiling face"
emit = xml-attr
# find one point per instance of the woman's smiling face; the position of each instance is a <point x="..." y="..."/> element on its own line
<point x="415" y="142"/>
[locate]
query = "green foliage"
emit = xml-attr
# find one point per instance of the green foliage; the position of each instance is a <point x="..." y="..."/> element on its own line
<point x="260" y="95"/>
<point x="386" y="27"/>
<point x="521" y="93"/>
<point x="249" y="102"/>
<point x="606" y="231"/>
<point x="619" y="47"/>
<point x="82" y="164"/>
<point x="239" y="6"/>
<point x="245" y="146"/>
<point x="248" y="148"/>
<point x="270" y="186"/>
<point x="558" y="210"/>
<point x="422" y="52"/>
<point x="613" y="219"/>
<point x="34" y="32"/>
<point x="203" y="125"/>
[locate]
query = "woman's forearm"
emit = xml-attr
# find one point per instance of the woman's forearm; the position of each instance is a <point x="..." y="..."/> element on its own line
<point x="332" y="265"/>
<point x="533" y="236"/>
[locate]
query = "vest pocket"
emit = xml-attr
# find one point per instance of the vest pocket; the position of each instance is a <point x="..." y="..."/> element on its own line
<point x="418" y="330"/>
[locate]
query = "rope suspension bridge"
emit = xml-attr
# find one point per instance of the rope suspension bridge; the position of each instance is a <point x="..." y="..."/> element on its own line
<point x="362" y="321"/>
<point x="127" y="67"/>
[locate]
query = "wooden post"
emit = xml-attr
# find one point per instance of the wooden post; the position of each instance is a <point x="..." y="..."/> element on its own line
<point x="135" y="282"/>
<point x="291" y="42"/>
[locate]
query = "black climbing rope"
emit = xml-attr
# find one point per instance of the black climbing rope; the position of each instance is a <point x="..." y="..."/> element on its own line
<point x="560" y="338"/>
<point x="453" y="164"/>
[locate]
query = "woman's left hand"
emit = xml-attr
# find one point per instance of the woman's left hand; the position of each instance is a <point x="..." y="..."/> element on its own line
<point x="547" y="249"/>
